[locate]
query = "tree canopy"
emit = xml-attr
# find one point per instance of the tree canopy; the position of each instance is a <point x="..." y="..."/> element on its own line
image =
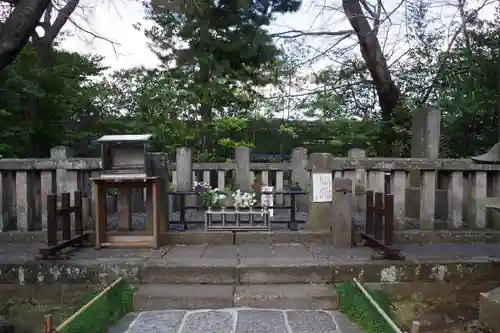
<point x="227" y="79"/>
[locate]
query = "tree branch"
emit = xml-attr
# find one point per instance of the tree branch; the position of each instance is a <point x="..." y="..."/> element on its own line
<point x="19" y="27"/>
<point x="61" y="19"/>
<point x="299" y="33"/>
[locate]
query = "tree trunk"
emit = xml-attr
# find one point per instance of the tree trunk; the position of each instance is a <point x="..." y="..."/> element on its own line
<point x="43" y="47"/>
<point x="19" y="27"/>
<point x="389" y="95"/>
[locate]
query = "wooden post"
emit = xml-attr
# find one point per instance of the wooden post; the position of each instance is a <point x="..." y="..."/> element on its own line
<point x="78" y="213"/>
<point x="370" y="209"/>
<point x="156" y="191"/>
<point x="65" y="214"/>
<point x="389" y="219"/>
<point x="159" y="168"/>
<point x="379" y="215"/>
<point x="51" y="219"/>
<point x="47" y="324"/>
<point x="100" y="209"/>
<point x="342" y="206"/>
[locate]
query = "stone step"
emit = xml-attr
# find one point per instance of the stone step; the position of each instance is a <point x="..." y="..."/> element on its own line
<point x="489" y="309"/>
<point x="258" y="271"/>
<point x="287" y="296"/>
<point x="176" y="296"/>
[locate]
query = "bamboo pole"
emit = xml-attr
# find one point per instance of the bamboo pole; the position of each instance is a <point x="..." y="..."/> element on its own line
<point x="377" y="307"/>
<point x="92" y="301"/>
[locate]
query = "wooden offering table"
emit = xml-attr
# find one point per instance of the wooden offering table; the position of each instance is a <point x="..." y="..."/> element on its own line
<point x="99" y="187"/>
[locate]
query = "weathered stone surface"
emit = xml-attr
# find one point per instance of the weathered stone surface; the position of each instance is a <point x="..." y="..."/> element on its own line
<point x="310" y="322"/>
<point x="157" y="322"/>
<point x="286" y="296"/>
<point x="489" y="309"/>
<point x="197" y="270"/>
<point x="175" y="296"/>
<point x="255" y="321"/>
<point x="284" y="270"/>
<point x="344" y="325"/>
<point x="281" y="263"/>
<point x="208" y="321"/>
<point x="292" y="250"/>
<point x="237" y="320"/>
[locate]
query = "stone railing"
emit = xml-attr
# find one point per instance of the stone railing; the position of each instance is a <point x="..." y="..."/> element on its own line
<point x="24" y="183"/>
<point x="429" y="193"/>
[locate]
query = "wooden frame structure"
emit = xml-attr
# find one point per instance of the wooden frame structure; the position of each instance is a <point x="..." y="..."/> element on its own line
<point x="379" y="229"/>
<point x="127" y="165"/>
<point x="53" y="248"/>
<point x="99" y="187"/>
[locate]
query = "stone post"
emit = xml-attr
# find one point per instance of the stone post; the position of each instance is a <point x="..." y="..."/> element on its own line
<point x="321" y="197"/>
<point x="425" y="137"/>
<point x="359" y="184"/>
<point x="24" y="201"/>
<point x="342" y="212"/>
<point x="242" y="174"/>
<point x="184" y="173"/>
<point x="159" y="168"/>
<point x="300" y="175"/>
<point x="66" y="180"/>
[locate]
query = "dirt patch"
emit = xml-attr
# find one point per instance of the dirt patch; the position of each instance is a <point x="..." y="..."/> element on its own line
<point x="439" y="307"/>
<point x="25" y="306"/>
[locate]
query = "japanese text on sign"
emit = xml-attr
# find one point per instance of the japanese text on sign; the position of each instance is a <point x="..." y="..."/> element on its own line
<point x="322" y="187"/>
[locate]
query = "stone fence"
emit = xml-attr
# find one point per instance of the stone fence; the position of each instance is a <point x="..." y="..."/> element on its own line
<point x="449" y="193"/>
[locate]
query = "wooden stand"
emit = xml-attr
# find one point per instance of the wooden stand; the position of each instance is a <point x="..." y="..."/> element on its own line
<point x="99" y="186"/>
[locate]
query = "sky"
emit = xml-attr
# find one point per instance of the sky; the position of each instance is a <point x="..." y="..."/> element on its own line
<point x="114" y="20"/>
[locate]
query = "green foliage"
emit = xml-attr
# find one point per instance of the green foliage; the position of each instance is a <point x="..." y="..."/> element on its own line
<point x="218" y="55"/>
<point x="104" y="312"/>
<point x="359" y="309"/>
<point x="63" y="95"/>
<point x="221" y="51"/>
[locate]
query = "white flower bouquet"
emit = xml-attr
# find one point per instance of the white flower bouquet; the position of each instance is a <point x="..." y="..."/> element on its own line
<point x="244" y="199"/>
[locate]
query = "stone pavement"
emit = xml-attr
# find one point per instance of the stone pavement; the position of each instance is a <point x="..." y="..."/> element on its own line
<point x="236" y="320"/>
<point x="244" y="253"/>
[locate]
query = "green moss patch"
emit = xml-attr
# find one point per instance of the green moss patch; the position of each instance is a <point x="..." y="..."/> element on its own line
<point x="359" y="309"/>
<point x="103" y="313"/>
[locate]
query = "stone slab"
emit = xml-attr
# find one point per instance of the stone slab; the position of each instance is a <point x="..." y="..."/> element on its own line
<point x="258" y="321"/>
<point x="208" y="321"/>
<point x="199" y="271"/>
<point x="310" y="322"/>
<point x="287" y="296"/>
<point x="326" y="264"/>
<point x="292" y="250"/>
<point x="489" y="309"/>
<point x="196" y="237"/>
<point x="157" y="322"/>
<point x="284" y="270"/>
<point x="239" y="320"/>
<point x="177" y="296"/>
